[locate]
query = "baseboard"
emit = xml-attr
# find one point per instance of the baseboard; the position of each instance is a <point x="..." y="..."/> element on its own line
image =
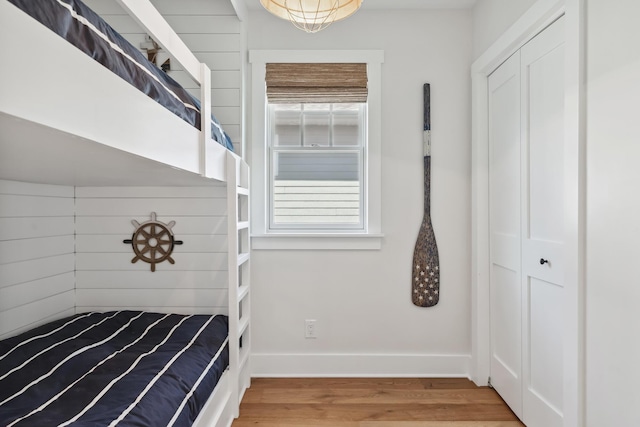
<point x="360" y="365"/>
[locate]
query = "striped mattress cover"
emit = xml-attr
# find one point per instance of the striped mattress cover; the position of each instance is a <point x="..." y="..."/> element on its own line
<point x="79" y="25"/>
<point x="126" y="368"/>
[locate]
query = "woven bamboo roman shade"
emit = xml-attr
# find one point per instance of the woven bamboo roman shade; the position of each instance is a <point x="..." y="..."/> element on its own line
<point x="316" y="83"/>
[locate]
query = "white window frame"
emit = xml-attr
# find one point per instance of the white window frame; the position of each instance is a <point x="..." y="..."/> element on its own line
<point x="370" y="237"/>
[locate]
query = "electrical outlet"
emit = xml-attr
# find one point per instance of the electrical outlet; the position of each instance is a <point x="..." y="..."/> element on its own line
<point x="310" y="329"/>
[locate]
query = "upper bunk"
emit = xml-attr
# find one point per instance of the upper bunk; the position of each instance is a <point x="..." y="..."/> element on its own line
<point x="67" y="119"/>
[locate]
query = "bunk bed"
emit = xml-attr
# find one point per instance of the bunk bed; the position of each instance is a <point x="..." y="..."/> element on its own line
<point x="67" y="119"/>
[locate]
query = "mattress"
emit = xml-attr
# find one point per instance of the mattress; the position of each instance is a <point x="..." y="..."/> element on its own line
<point x="126" y="368"/>
<point x="80" y="26"/>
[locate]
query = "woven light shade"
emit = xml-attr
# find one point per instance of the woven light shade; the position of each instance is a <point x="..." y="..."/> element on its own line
<point x="312" y="15"/>
<point x="316" y="83"/>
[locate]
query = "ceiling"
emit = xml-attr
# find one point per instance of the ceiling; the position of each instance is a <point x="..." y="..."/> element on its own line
<point x="400" y="4"/>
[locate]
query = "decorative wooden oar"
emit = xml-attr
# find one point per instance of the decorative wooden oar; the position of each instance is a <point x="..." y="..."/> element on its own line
<point x="425" y="277"/>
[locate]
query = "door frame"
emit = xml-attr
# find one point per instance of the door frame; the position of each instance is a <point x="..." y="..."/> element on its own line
<point x="539" y="16"/>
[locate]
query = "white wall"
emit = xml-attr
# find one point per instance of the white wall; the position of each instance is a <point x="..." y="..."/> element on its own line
<point x="36" y="255"/>
<point x="106" y="279"/>
<point x="613" y="209"/>
<point x="361" y="299"/>
<point x="491" y="18"/>
<point x="62" y="251"/>
<point x="211" y="30"/>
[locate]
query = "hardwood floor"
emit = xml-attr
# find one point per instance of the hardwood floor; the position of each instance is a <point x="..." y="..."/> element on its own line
<point x="372" y="402"/>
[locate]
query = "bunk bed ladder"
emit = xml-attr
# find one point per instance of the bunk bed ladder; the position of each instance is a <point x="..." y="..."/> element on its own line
<point x="239" y="286"/>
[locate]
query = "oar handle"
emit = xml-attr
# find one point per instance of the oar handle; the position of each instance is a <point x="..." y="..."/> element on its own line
<point x="426" y="147"/>
<point x="427" y="187"/>
<point x="426" y="136"/>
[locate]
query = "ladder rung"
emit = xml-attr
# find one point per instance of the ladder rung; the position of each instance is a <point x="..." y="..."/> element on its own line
<point x="244" y="323"/>
<point x="242" y="258"/>
<point x="243" y="191"/>
<point x="243" y="291"/>
<point x="244" y="357"/>
<point x="243" y="225"/>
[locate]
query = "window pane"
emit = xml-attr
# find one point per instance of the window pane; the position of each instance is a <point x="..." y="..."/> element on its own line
<point x="316" y="188"/>
<point x="317" y="107"/>
<point x="287" y="122"/>
<point x="286" y="107"/>
<point x="354" y="108"/>
<point x="346" y="129"/>
<point x="287" y="135"/>
<point x="316" y="130"/>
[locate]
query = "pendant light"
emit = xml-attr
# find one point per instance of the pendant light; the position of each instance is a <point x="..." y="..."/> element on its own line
<point x="312" y="15"/>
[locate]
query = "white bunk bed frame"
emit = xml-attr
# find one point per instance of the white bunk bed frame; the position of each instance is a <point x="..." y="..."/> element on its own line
<point x="84" y="137"/>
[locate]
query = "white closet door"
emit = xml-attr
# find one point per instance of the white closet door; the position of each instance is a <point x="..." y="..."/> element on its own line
<point x="526" y="128"/>
<point x="505" y="233"/>
<point x="542" y="78"/>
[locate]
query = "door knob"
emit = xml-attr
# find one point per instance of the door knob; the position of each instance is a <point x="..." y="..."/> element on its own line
<point x="544" y="261"/>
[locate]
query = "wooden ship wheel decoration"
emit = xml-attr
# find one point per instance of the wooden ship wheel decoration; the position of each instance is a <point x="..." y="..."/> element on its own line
<point x="153" y="241"/>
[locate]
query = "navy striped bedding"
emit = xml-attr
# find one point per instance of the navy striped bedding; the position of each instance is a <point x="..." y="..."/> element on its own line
<point x="125" y="368"/>
<point x="80" y="26"/>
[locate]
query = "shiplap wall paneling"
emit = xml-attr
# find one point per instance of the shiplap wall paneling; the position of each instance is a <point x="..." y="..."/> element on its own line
<point x="36" y="255"/>
<point x="212" y="31"/>
<point x="106" y="279"/>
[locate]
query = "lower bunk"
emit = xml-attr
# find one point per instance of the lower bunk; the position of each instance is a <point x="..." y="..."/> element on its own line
<point x="128" y="368"/>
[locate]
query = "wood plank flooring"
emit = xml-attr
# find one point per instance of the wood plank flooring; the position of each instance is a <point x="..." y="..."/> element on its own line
<point x="372" y="402"/>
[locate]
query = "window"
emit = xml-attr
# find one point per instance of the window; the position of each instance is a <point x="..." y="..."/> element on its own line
<point x="315" y="160"/>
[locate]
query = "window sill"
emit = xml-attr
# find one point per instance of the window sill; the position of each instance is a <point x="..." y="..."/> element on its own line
<point x="324" y="241"/>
